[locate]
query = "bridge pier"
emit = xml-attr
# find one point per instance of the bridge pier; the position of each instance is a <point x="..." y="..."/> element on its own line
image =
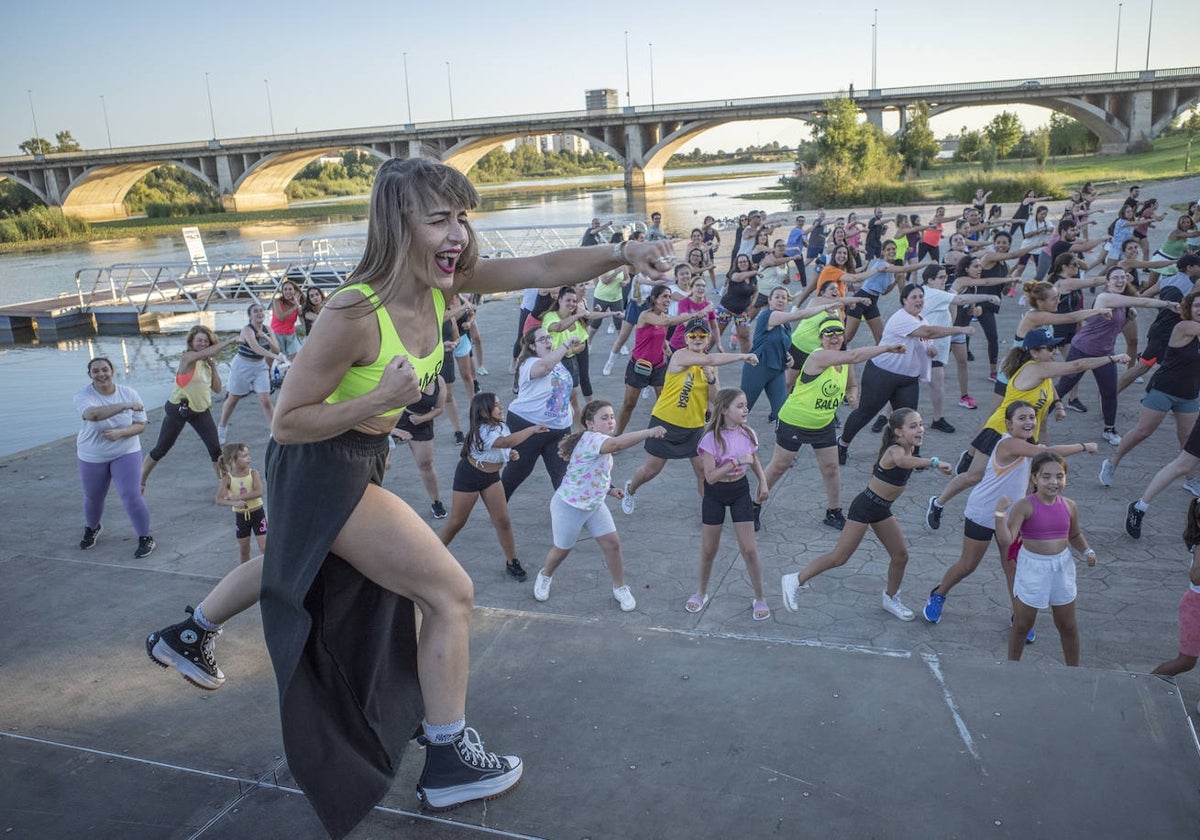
<point x="638" y="177"/>
<point x="98" y="211"/>
<point x="875" y="117"/>
<point x="249" y="202"/>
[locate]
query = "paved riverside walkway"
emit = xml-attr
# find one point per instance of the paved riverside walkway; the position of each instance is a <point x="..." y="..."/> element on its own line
<point x="836" y="721"/>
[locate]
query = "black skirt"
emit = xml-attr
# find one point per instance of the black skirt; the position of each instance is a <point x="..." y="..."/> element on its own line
<point x="344" y="649"/>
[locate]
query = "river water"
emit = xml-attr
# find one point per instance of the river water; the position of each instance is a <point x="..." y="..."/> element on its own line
<point x="39" y="379"/>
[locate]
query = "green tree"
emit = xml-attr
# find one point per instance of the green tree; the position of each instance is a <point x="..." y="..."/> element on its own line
<point x="849" y="151"/>
<point x="66" y="143"/>
<point x="1040" y="140"/>
<point x="917" y="143"/>
<point x="987" y="155"/>
<point x="969" y="144"/>
<point x="1004" y="132"/>
<point x="42" y="146"/>
<point x="36" y="146"/>
<point x="1071" y="137"/>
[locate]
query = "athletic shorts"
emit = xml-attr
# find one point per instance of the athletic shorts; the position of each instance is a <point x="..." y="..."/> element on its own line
<point x="567" y="522"/>
<point x="251" y="522"/>
<point x="734" y="495"/>
<point x="470" y="479"/>
<point x="868" y="507"/>
<point x="1159" y="401"/>
<point x="1044" y="580"/>
<point x="419" y="431"/>
<point x="678" y="443"/>
<point x="868" y="310"/>
<point x="972" y="530"/>
<point x="1189" y="623"/>
<point x="654" y="379"/>
<point x="725" y="317"/>
<point x="985" y="442"/>
<point x="610" y="306"/>
<point x="792" y="437"/>
<point x="247" y="376"/>
<point x="798" y="357"/>
<point x="1192" y="445"/>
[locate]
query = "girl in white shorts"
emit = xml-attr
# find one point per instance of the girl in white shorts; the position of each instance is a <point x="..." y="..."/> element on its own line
<point x="579" y="500"/>
<point x="1047" y="523"/>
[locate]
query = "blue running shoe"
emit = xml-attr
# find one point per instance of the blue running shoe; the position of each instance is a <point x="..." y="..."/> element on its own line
<point x="933" y="607"/>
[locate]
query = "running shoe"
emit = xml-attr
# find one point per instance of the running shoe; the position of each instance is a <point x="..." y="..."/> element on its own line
<point x="89" y="536"/>
<point x="1076" y="405"/>
<point x="628" y="503"/>
<point x="933" y="607"/>
<point x="625" y="598"/>
<point x="1133" y="521"/>
<point x="966" y="401"/>
<point x="1192" y="485"/>
<point x="933" y="514"/>
<point x="942" y="426"/>
<point x="1111" y="436"/>
<point x="893" y="604"/>
<point x="1106" y="473"/>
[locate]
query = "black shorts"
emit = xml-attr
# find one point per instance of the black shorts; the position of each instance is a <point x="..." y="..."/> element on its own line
<point x="470" y="479"/>
<point x="610" y="306"/>
<point x="251" y="522"/>
<point x="419" y="431"/>
<point x="974" y="531"/>
<point x="798" y="357"/>
<point x="571" y="363"/>
<point x="1155" y="349"/>
<point x="654" y="379"/>
<point x="792" y="437"/>
<point x="734" y="495"/>
<point x="868" y="507"/>
<point x="998" y="387"/>
<point x="867" y="311"/>
<point x="986" y="441"/>
<point x="1192" y="445"/>
<point x="678" y="442"/>
<point x="448" y="369"/>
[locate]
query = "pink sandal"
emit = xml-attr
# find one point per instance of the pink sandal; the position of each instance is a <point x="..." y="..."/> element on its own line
<point x="696" y="603"/>
<point x="761" y="611"/>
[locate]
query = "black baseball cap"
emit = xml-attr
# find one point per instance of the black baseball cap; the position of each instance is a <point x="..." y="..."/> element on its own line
<point x="1040" y="338"/>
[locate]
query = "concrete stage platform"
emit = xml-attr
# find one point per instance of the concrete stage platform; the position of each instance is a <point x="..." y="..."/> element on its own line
<point x="627" y="731"/>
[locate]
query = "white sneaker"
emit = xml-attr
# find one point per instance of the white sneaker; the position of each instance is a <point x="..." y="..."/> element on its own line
<point x="1111" y="436"/>
<point x="624" y="351"/>
<point x="893" y="605"/>
<point x="647" y="392"/>
<point x="624" y="598"/>
<point x="481" y="370"/>
<point x="222" y="433"/>
<point x="1192" y="485"/>
<point x="608" y="366"/>
<point x="629" y="503"/>
<point x="611" y="328"/>
<point x="1106" y="473"/>
<point x="541" y="587"/>
<point x="791" y="591"/>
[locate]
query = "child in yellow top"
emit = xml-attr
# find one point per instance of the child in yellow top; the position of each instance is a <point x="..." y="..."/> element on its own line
<point x="241" y="488"/>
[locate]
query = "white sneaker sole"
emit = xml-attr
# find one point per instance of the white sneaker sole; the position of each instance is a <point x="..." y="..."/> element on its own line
<point x="164" y="656"/>
<point x="445" y="799"/>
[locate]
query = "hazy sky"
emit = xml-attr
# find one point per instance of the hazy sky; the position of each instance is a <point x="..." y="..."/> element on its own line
<point x="340" y="66"/>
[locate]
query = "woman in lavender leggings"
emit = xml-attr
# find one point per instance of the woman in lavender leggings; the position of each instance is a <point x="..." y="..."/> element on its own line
<point x="109" y="452"/>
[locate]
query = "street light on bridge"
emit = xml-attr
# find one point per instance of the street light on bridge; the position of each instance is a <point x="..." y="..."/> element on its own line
<point x="211" y="118"/>
<point x="450" y="87"/>
<point x="1117" y="57"/>
<point x="106" y="128"/>
<point x="37" y="135"/>
<point x="652" y="76"/>
<point x="628" y="98"/>
<point x="407" y="95"/>
<point x="270" y="111"/>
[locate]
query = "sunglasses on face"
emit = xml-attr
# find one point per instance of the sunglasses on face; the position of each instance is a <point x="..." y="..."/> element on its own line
<point x="693" y="336"/>
<point x="832" y="332"/>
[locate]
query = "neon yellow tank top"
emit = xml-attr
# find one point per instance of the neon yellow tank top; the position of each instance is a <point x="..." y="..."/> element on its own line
<point x="361" y="380"/>
<point x="196" y="388"/>
<point x="1041" y="396"/>
<point x="561" y="337"/>
<point x="811" y="405"/>
<point x="684" y="398"/>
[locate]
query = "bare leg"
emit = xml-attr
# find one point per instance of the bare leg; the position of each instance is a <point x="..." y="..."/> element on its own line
<point x="610" y="544"/>
<point x="1184" y="464"/>
<point x="452" y="409"/>
<point x="1023" y="618"/>
<point x="889" y="533"/>
<point x="749" y="548"/>
<point x="1068" y="632"/>
<point x="649" y="469"/>
<point x="959" y="352"/>
<point x="968" y="561"/>
<point x="268" y="409"/>
<point x="461" y="505"/>
<point x="710" y="542"/>
<point x="1148" y="420"/>
<point x="227" y="407"/>
<point x="876" y="326"/>
<point x="422" y="451"/>
<point x="1181" y="664"/>
<point x="698" y="471"/>
<point x="627" y="406"/>
<point x="389" y="544"/>
<point x="937" y="391"/>
<point x="497" y="508"/>
<point x="1139" y="368"/>
<point x="237" y="591"/>
<point x="849" y="540"/>
<point x="781" y="461"/>
<point x="554" y="559"/>
<point x="964" y="481"/>
<point x="831" y="475"/>
<point x="243" y="549"/>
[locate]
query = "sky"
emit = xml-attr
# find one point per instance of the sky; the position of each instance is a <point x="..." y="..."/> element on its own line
<point x="328" y="66"/>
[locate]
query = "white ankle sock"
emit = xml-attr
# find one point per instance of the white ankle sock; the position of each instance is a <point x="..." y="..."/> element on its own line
<point x="444" y="733"/>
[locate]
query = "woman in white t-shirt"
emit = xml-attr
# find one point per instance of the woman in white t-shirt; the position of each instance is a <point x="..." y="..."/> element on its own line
<point x="109" y="452"/>
<point x="896" y="377"/>
<point x="579" y="501"/>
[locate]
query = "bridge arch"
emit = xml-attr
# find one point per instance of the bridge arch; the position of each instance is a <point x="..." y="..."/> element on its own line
<point x="1112" y="132"/>
<point x="98" y="194"/>
<point x="29" y="185"/>
<point x="1183" y="104"/>
<point x="656" y="157"/>
<point x="466" y="153"/>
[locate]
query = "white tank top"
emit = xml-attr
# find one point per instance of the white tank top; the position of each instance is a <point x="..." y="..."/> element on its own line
<point x="1011" y="479"/>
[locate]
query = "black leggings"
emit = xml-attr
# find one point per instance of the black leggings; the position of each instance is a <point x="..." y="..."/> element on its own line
<point x="1106" y="383"/>
<point x="585" y="377"/>
<point x="174" y="419"/>
<point x="542" y="445"/>
<point x="879" y="387"/>
<point x="525" y="313"/>
<point x="987" y="322"/>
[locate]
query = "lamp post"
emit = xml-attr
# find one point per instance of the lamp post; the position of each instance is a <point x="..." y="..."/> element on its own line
<point x="106" y="128"/>
<point x="37" y="135"/>
<point x="1117" y="57"/>
<point x="450" y="87"/>
<point x="652" y="76"/>
<point x="628" y="98"/>
<point x="211" y="118"/>
<point x="874" y="44"/>
<point x="1149" y="29"/>
<point x="407" y="96"/>
<point x="270" y="111"/>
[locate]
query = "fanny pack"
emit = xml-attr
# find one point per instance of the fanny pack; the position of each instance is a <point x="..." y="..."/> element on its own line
<point x="642" y="367"/>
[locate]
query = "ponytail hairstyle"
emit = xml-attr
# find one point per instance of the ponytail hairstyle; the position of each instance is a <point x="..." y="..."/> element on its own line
<point x="480" y="414"/>
<point x="1013" y="361"/>
<point x="229" y="451"/>
<point x="566" y="446"/>
<point x="717" y="423"/>
<point x="1191" y="531"/>
<point x="1037" y="291"/>
<point x="895" y="422"/>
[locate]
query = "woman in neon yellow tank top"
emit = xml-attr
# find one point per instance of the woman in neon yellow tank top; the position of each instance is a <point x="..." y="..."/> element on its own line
<point x="347" y="558"/>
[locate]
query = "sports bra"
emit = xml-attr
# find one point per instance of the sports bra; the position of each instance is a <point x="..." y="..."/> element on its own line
<point x="1047" y="522"/>
<point x="895" y="476"/>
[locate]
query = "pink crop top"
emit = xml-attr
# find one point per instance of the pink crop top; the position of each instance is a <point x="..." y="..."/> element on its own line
<point x="1047" y="522"/>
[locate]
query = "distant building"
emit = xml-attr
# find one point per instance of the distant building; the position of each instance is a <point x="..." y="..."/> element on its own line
<point x="541" y="142"/>
<point x="601" y="99"/>
<point x="568" y="143"/>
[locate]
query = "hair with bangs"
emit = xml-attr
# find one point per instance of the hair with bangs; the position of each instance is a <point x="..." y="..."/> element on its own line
<point x="403" y="190"/>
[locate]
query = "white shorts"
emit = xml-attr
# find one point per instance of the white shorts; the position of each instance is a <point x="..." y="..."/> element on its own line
<point x="246" y="376"/>
<point x="567" y="522"/>
<point x="1044" y="580"/>
<point x="289" y="343"/>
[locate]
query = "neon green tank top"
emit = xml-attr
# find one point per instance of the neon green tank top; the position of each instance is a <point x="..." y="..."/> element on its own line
<point x="561" y="337"/>
<point x="361" y="380"/>
<point x="195" y="387"/>
<point x="812" y="405"/>
<point x="1041" y="396"/>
